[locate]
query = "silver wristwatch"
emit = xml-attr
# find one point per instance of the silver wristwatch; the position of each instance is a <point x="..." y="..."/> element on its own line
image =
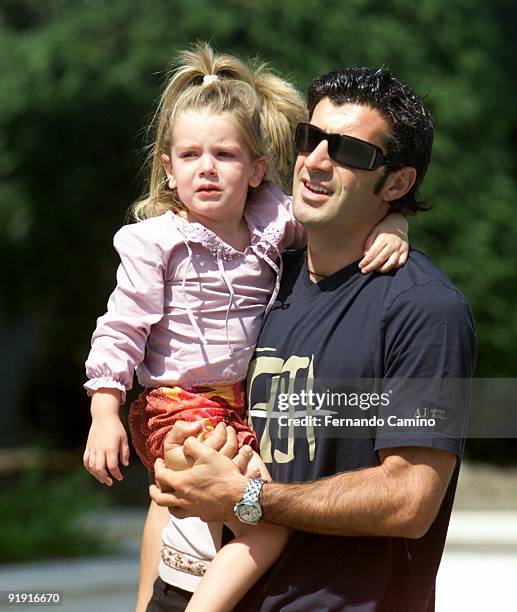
<point x="248" y="509"/>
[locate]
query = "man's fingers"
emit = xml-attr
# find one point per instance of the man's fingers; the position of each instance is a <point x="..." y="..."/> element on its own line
<point x="178" y="513"/>
<point x="162" y="475"/>
<point x="196" y="449"/>
<point x="253" y="473"/>
<point x="181" y="430"/>
<point x="217" y="438"/>
<point x="169" y="500"/>
<point x="167" y="480"/>
<point x="243" y="457"/>
<point x="159" y="466"/>
<point x="231" y="446"/>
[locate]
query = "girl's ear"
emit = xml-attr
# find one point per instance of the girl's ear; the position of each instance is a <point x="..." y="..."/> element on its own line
<point x="167" y="166"/>
<point x="258" y="170"/>
<point x="398" y="183"/>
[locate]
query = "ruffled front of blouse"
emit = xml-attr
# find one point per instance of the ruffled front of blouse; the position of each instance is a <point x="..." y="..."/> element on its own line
<point x="187" y="307"/>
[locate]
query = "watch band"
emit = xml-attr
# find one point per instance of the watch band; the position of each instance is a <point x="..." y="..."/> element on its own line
<point x="253" y="490"/>
<point x="248" y="509"/>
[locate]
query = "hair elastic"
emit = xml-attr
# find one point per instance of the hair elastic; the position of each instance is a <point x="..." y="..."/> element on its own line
<point x="210" y="78"/>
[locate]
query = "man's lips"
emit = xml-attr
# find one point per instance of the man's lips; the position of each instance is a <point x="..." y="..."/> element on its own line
<point x="316" y="188"/>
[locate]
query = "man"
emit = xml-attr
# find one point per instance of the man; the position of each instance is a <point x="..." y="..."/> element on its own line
<point x="370" y="506"/>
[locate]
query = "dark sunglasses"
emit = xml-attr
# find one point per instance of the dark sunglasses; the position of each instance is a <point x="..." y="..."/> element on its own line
<point x="344" y="150"/>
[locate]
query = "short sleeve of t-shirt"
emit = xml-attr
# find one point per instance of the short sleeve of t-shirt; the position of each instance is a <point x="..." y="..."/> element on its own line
<point x="429" y="356"/>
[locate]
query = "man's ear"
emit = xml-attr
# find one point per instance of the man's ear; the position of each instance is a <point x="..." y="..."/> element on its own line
<point x="167" y="166"/>
<point x="258" y="170"/>
<point x="398" y="183"/>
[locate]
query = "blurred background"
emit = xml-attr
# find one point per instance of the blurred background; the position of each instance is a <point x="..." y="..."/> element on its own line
<point x="79" y="81"/>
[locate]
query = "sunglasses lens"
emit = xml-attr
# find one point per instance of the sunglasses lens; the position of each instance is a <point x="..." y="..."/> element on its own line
<point x="307" y="138"/>
<point x="342" y="149"/>
<point x="352" y="153"/>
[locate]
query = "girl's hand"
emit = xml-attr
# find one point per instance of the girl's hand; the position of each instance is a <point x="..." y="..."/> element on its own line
<point x="256" y="468"/>
<point x="107" y="441"/>
<point x="387" y="246"/>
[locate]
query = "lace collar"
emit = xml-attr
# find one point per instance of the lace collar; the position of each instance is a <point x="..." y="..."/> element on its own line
<point x="267" y="236"/>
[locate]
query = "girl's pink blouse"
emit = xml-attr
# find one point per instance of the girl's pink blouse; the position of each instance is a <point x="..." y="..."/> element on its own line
<point x="187" y="308"/>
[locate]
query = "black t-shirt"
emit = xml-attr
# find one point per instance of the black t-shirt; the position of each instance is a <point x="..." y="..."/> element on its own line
<point x="410" y="323"/>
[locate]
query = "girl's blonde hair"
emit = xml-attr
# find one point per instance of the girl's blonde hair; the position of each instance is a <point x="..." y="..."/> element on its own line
<point x="265" y="107"/>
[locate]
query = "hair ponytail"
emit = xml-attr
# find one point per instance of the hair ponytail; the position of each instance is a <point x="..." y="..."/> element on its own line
<point x="265" y="107"/>
<point x="282" y="108"/>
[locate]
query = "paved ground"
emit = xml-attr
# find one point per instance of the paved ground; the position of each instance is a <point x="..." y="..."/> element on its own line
<point x="478" y="572"/>
<point x="95" y="585"/>
<point x="479" y="567"/>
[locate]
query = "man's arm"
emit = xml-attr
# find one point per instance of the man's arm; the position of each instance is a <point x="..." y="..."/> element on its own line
<point x="400" y="497"/>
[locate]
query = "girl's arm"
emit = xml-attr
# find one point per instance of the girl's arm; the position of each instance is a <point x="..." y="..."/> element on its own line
<point x="237" y="566"/>
<point x="387" y="246"/>
<point x="241" y="562"/>
<point x="118" y="342"/>
<point x="118" y="345"/>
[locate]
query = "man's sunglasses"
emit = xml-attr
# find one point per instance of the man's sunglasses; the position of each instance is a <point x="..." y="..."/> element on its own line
<point x="344" y="150"/>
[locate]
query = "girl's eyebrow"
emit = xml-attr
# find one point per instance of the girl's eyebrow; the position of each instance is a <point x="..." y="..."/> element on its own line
<point x="187" y="143"/>
<point x="228" y="147"/>
<point x="192" y="144"/>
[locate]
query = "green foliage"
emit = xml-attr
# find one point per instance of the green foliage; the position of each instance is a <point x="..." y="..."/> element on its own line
<point x="39" y="518"/>
<point x="79" y="84"/>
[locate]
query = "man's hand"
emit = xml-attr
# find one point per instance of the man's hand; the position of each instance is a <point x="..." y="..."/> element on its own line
<point x="222" y="438"/>
<point x="211" y="487"/>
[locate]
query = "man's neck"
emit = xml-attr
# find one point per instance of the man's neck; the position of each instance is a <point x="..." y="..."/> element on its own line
<point x="327" y="254"/>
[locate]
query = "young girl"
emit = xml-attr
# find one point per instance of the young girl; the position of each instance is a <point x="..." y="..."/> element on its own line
<point x="198" y="272"/>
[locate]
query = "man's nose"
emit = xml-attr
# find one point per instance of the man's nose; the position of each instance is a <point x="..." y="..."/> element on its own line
<point x="319" y="158"/>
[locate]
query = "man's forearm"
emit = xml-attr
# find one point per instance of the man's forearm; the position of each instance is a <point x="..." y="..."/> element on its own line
<point x="392" y="499"/>
<point x="355" y="504"/>
<point x="399" y="497"/>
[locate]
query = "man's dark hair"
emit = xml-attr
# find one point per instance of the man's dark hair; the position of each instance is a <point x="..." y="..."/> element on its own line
<point x="411" y="138"/>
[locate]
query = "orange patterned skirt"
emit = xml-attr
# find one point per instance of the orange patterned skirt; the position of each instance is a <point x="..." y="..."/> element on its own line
<point x="154" y="412"/>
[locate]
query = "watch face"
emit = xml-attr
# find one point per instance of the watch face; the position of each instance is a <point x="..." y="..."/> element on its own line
<point x="249" y="512"/>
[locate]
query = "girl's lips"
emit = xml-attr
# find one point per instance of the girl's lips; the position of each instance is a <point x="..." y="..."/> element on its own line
<point x="208" y="193"/>
<point x="210" y="188"/>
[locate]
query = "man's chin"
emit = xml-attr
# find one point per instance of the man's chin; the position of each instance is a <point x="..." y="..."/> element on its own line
<point x="311" y="221"/>
<point x="307" y="212"/>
